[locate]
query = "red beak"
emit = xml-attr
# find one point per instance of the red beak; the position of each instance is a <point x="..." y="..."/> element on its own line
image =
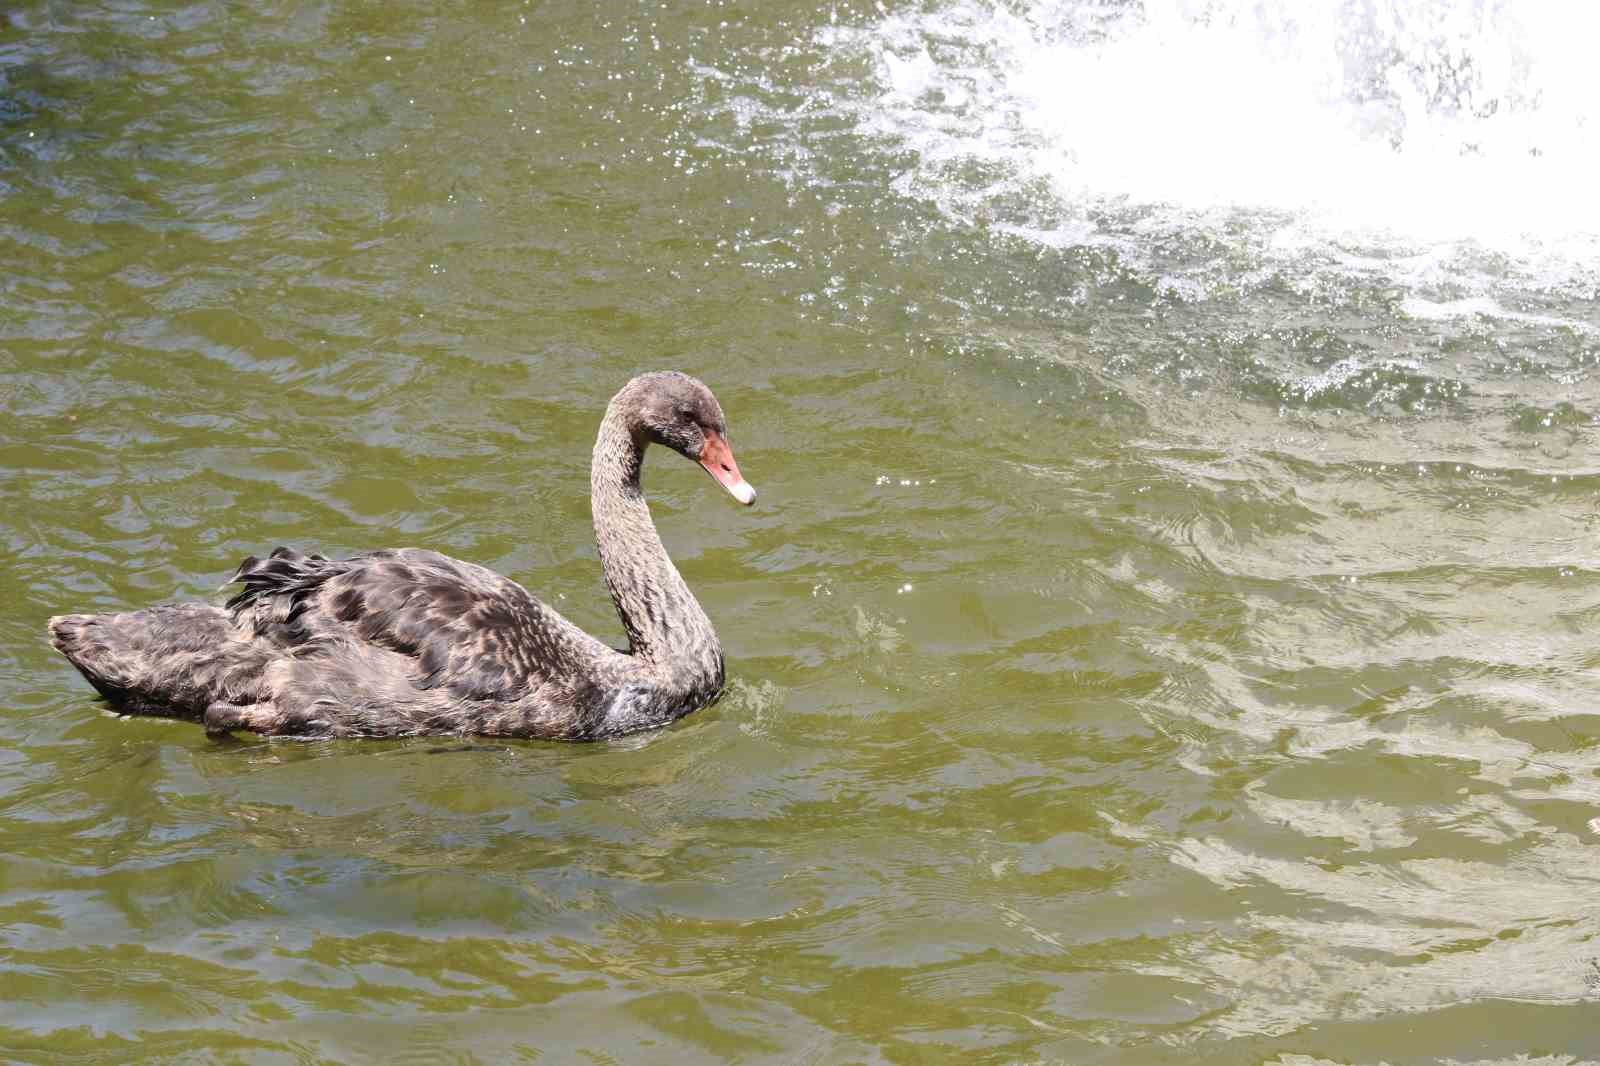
<point x="717" y="458"/>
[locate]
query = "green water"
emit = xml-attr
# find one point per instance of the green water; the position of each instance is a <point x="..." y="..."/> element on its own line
<point x="1116" y="676"/>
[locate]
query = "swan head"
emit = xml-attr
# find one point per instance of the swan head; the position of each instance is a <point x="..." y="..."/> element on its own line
<point x="678" y="411"/>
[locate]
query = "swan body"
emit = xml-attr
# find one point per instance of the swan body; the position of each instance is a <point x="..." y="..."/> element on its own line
<point x="402" y="642"/>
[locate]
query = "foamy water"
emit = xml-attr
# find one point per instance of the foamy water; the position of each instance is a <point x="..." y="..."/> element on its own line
<point x="1419" y="140"/>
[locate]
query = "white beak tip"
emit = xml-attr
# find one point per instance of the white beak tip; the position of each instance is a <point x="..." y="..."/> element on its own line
<point x="743" y="491"/>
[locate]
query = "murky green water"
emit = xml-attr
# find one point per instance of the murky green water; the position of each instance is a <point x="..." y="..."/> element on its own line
<point x="1158" y="639"/>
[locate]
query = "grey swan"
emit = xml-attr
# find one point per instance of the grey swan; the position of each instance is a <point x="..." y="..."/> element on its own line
<point x="405" y="642"/>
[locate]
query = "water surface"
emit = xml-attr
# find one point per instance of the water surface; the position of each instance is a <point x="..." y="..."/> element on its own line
<point x="1164" y="634"/>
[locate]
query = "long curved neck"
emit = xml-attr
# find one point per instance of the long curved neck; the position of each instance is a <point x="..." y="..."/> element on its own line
<point x="667" y="629"/>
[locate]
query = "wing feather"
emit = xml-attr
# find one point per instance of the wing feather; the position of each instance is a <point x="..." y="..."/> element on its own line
<point x="469" y="631"/>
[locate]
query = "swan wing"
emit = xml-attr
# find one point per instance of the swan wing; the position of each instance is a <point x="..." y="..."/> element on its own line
<point x="468" y="631"/>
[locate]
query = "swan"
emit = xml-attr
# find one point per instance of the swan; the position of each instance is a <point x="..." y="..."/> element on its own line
<point x="404" y="642"/>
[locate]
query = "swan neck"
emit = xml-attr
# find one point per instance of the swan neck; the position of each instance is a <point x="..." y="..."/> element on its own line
<point x="667" y="629"/>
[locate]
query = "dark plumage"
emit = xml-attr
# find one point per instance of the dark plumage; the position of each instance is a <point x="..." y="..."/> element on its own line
<point x="405" y="641"/>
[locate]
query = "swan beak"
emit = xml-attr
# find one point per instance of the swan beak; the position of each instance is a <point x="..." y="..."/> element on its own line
<point x="717" y="458"/>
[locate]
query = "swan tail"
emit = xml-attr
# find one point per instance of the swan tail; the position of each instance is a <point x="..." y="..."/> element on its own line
<point x="172" y="661"/>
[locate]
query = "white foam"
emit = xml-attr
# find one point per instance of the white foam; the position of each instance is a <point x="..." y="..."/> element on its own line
<point x="1400" y="125"/>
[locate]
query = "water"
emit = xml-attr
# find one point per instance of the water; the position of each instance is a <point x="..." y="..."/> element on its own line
<point x="1163" y="634"/>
